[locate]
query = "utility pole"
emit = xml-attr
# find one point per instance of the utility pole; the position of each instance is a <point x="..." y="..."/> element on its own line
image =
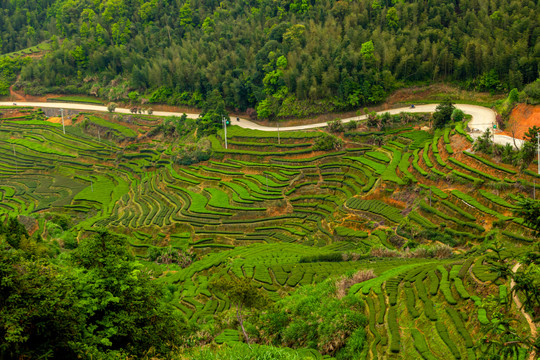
<point x="493" y="137"/>
<point x="534" y="189"/>
<point x="538" y="150"/>
<point x="224" y="129"/>
<point x="278" y="140"/>
<point x="63" y="126"/>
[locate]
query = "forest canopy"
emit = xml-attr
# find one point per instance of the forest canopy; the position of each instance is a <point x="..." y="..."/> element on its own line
<point x="303" y="55"/>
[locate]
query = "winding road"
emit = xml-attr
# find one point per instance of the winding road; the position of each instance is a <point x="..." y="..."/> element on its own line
<point x="482" y="117"/>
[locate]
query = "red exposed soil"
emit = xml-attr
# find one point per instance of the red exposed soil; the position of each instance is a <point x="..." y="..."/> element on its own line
<point x="525" y="116"/>
<point x="58" y="120"/>
<point x="22" y="96"/>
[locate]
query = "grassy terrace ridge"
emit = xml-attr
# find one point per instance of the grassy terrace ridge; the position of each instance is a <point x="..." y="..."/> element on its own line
<point x="77" y="99"/>
<point x="41" y="47"/>
<point x="123" y="130"/>
<point x="385" y="238"/>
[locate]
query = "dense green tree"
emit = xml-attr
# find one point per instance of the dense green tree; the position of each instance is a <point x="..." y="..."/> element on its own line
<point x="443" y="113"/>
<point x="119" y="301"/>
<point x="531" y="135"/>
<point x="98" y="304"/>
<point x="211" y="118"/>
<point x="529" y="210"/>
<point x="14" y="232"/>
<point x="243" y="294"/>
<point x="39" y="313"/>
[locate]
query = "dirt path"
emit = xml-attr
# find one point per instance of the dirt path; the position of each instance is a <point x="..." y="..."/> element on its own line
<point x="532" y="325"/>
<point x="14" y="95"/>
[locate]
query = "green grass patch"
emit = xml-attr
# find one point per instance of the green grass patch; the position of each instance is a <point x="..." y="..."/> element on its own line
<point x="122" y="130"/>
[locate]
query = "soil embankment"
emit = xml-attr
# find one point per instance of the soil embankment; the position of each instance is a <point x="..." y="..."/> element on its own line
<point x="525" y="116"/>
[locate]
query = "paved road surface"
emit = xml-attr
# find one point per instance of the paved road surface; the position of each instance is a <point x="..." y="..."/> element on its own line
<point x="482" y="117"/>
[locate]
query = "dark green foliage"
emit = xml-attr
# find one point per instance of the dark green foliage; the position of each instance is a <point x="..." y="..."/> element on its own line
<point x="458" y="322"/>
<point x="531" y="135"/>
<point x="394" y="330"/>
<point x="532" y="91"/>
<point x="14" y="232"/>
<point x="410" y="298"/>
<point x="489" y="163"/>
<point x="243" y="294"/>
<point x="446" y="286"/>
<point x="101" y="305"/>
<point x="38" y="314"/>
<point x="443" y="333"/>
<point x="382" y="308"/>
<point x="437" y="235"/>
<point x="313" y="317"/>
<point x="430" y="310"/>
<point x="9" y="68"/>
<point x="327" y="142"/>
<point x="211" y="118"/>
<point x="123" y="312"/>
<point x="159" y="49"/>
<point x="174" y="127"/>
<point x="443" y="113"/>
<point x="421" y="288"/>
<point x="529" y="210"/>
<point x="433" y="282"/>
<point x="331" y="257"/>
<point x="421" y="346"/>
<point x="392" y="289"/>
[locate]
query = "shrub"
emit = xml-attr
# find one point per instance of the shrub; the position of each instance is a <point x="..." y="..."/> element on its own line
<point x="170" y="256"/>
<point x="443" y="333"/>
<point x="457" y="115"/>
<point x="315" y="318"/>
<point x="394" y="330"/>
<point x="411" y="301"/>
<point x="335" y="126"/>
<point x="351" y="125"/>
<point x="344" y="283"/>
<point x="482" y="317"/>
<point x="430" y="310"/>
<point x="384" y="252"/>
<point x="433" y="282"/>
<point x="331" y="257"/>
<point x="421" y="288"/>
<point x="458" y="322"/>
<point x="421" y="346"/>
<point x="327" y="142"/>
<point x="445" y="286"/>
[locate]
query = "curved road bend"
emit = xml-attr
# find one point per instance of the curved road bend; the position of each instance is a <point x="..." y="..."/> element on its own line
<point x="482" y="117"/>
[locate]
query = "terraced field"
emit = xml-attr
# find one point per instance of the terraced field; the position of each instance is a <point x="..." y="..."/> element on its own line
<point x="284" y="215"/>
